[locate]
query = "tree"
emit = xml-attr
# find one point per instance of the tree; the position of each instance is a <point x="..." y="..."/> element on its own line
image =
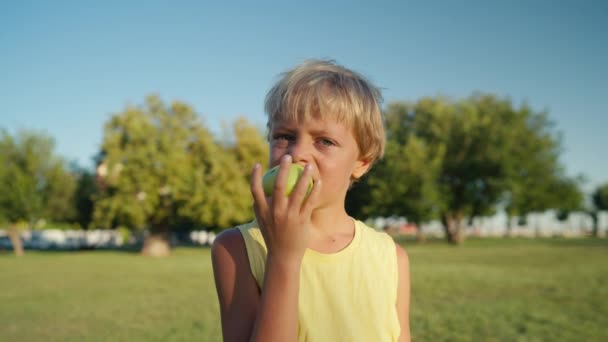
<point x="538" y="181"/>
<point x="249" y="146"/>
<point x="34" y="182"/>
<point x="467" y="157"/>
<point x="160" y="169"/>
<point x="398" y="185"/>
<point x="459" y="139"/>
<point x="86" y="190"/>
<point x="567" y="195"/>
<point x="600" y="202"/>
<point x="220" y="196"/>
<point x="600" y="197"/>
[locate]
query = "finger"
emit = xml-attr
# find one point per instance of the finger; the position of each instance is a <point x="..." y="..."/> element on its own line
<point x="257" y="190"/>
<point x="257" y="212"/>
<point x="300" y="191"/>
<point x="280" y="182"/>
<point x="259" y="219"/>
<point x="311" y="201"/>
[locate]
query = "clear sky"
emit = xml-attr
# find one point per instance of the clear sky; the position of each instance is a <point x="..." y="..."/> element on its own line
<point x="66" y="66"/>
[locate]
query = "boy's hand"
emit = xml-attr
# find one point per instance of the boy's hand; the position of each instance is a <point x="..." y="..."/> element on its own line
<point x="285" y="220"/>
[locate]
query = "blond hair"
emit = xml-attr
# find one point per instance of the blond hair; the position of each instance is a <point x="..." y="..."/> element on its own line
<point x="324" y="89"/>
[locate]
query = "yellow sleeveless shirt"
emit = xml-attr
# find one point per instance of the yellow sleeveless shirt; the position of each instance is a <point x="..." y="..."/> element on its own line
<point x="350" y="295"/>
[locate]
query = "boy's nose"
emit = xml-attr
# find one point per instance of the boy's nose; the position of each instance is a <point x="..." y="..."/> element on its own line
<point x="300" y="153"/>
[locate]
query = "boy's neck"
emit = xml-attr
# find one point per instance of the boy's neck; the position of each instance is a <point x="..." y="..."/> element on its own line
<point x="331" y="221"/>
<point x="332" y="230"/>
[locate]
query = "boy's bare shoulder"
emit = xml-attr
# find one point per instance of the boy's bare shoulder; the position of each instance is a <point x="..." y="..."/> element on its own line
<point x="230" y="239"/>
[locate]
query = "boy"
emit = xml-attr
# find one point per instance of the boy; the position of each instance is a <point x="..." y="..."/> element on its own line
<point x="304" y="270"/>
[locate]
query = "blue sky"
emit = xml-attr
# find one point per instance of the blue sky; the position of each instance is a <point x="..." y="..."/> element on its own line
<point x="65" y="67"/>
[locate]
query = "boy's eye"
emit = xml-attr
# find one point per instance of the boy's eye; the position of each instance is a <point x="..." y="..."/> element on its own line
<point x="282" y="137"/>
<point x="326" y="142"/>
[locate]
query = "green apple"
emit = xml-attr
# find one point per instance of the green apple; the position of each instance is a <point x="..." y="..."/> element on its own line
<point x="295" y="172"/>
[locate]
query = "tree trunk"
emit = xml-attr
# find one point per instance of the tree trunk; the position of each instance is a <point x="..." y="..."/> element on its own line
<point x="452" y="224"/>
<point x="509" y="231"/>
<point x="13" y="235"/>
<point x="157" y="244"/>
<point x="596" y="231"/>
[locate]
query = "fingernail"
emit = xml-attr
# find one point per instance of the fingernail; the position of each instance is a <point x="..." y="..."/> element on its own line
<point x="256" y="166"/>
<point x="308" y="167"/>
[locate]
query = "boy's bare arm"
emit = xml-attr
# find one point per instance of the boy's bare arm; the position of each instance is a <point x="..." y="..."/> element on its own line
<point x="277" y="318"/>
<point x="403" y="294"/>
<point x="236" y="287"/>
<point x="274" y="314"/>
<point x="285" y="224"/>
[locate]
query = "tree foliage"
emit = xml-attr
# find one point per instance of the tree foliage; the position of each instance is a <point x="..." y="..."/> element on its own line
<point x="162" y="168"/>
<point x="403" y="182"/>
<point x="600" y="197"/>
<point x="248" y="146"/>
<point x="462" y="159"/>
<point x="599" y="200"/>
<point x="86" y="189"/>
<point x="35" y="183"/>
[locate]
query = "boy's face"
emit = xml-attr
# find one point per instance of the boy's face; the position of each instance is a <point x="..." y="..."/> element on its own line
<point x="329" y="146"/>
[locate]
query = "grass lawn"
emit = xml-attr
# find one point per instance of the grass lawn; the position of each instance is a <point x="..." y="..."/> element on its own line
<point x="486" y="290"/>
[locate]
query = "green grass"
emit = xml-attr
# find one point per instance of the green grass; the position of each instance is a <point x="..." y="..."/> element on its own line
<point x="486" y="290"/>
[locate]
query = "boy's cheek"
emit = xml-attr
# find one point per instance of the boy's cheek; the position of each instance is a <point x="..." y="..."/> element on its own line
<point x="275" y="159"/>
<point x="277" y="150"/>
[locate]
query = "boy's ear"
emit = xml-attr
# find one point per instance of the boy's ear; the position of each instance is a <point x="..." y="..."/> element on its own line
<point x="361" y="167"/>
